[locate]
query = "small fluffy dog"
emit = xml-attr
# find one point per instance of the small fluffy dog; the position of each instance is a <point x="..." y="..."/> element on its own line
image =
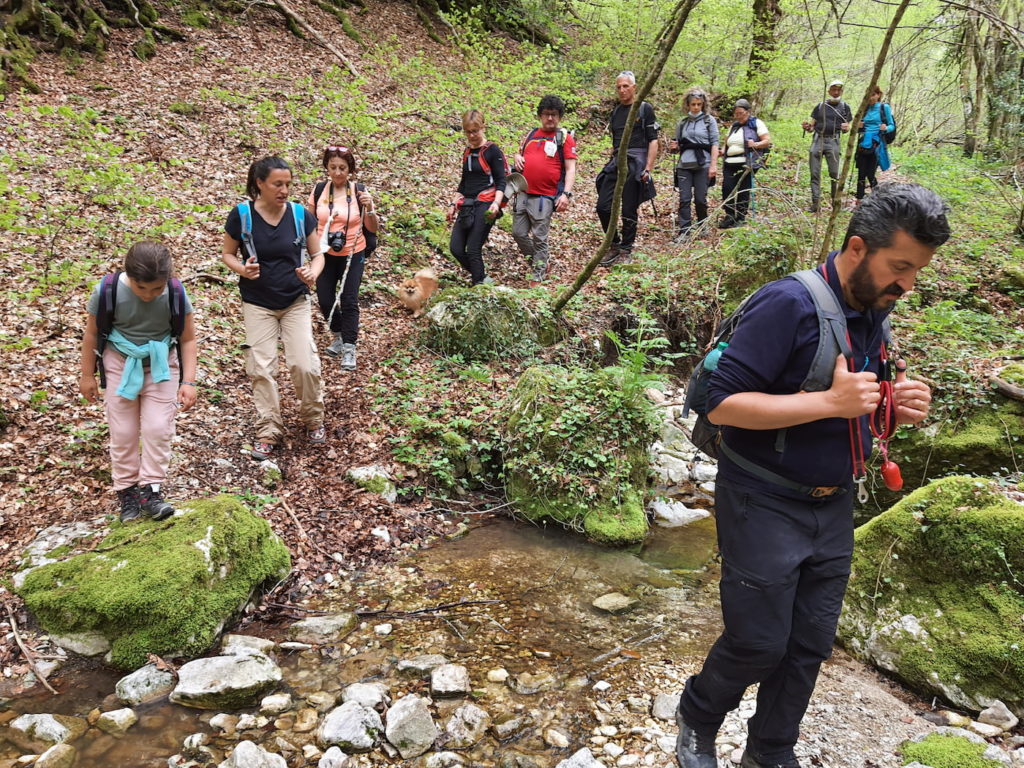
<point x="415" y="292"/>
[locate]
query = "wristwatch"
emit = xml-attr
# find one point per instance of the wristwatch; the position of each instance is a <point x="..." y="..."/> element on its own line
<point x="568" y="194"/>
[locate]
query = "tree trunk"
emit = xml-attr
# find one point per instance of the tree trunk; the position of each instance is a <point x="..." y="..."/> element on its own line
<point x="767" y="15"/>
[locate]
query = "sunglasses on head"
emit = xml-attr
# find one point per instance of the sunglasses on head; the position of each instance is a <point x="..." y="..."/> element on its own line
<point x="331" y="148"/>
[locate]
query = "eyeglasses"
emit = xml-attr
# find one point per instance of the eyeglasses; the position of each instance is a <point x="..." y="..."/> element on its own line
<point x="331" y="148"/>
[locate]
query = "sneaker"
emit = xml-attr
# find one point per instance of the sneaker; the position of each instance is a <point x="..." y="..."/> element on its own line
<point x="262" y="450"/>
<point x="318" y="435"/>
<point x="130" y="505"/>
<point x="348" y="357"/>
<point x="334" y="350"/>
<point x="694" y="750"/>
<point x="749" y="761"/>
<point x="612" y="256"/>
<point x="153" y="503"/>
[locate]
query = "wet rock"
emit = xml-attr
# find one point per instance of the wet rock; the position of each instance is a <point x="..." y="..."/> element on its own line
<point x="528" y="683"/>
<point x="249" y="722"/>
<point x="305" y="720"/>
<point x="497" y="675"/>
<point x="118" y="722"/>
<point x="614" y="602"/>
<point x="334" y="758"/>
<point x="235" y="645"/>
<point x="276" y="704"/>
<point x="224" y="723"/>
<point x="323" y="630"/>
<point x="225" y="682"/>
<point x="376" y="479"/>
<point x="467" y="725"/>
<point x="57" y="756"/>
<point x="582" y="759"/>
<point x="84" y="643"/>
<point x="449" y="680"/>
<point x="669" y="469"/>
<point x="410" y="727"/>
<point x="373" y="695"/>
<point x="421" y="665"/>
<point x="248" y="755"/>
<point x="673" y="514"/>
<point x="37" y="733"/>
<point x="192" y="746"/>
<point x="322" y="701"/>
<point x="144" y="685"/>
<point x="999" y="716"/>
<point x="513" y="759"/>
<point x="985" y="730"/>
<point x="440" y="760"/>
<point x="351" y="727"/>
<point x="556" y="738"/>
<point x="665" y="706"/>
<point x="509" y="726"/>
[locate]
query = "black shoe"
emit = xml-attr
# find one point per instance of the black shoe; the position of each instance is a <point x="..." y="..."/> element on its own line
<point x="612" y="256"/>
<point x="694" y="750"/>
<point x="153" y="503"/>
<point x="749" y="761"/>
<point x="130" y="504"/>
<point x="814" y="207"/>
<point x="727" y="223"/>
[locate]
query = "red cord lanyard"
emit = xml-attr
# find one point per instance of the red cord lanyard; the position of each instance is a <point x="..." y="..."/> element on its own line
<point x="882" y="423"/>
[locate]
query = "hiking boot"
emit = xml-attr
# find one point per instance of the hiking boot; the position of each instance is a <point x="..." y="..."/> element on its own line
<point x="814" y="207"/>
<point x="262" y="450"/>
<point x="153" y="503"/>
<point x="694" y="750"/>
<point x="348" y="357"/>
<point x="130" y="505"/>
<point x="334" y="350"/>
<point x="683" y="237"/>
<point x="749" y="761"/>
<point x="612" y="256"/>
<point x="318" y="435"/>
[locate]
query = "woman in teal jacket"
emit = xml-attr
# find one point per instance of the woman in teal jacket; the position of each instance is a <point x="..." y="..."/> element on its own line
<point x="871" y="151"/>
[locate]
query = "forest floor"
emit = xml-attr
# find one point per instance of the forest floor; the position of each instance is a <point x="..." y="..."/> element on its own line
<point x="53" y="461"/>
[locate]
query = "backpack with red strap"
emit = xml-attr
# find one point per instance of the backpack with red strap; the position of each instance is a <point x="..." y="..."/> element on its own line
<point x="488" y="194"/>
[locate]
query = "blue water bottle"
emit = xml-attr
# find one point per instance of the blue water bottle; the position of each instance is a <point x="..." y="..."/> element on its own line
<point x="711" y="359"/>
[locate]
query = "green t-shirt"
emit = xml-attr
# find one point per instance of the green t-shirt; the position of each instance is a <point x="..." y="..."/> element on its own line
<point x="140" y="321"/>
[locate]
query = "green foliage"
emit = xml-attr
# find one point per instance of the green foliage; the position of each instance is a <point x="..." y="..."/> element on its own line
<point x="130" y="586"/>
<point x="490" y="322"/>
<point x="939" y="750"/>
<point x="186" y="108"/>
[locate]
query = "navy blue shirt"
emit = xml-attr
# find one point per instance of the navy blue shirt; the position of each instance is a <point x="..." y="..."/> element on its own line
<point x="771" y="351"/>
<point x="277" y="287"/>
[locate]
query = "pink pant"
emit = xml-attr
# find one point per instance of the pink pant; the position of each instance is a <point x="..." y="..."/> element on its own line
<point x="148" y="418"/>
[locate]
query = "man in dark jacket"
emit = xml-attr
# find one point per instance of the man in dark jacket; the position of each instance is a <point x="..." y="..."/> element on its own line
<point x="785" y="522"/>
<point x="829" y="120"/>
<point x="642" y="141"/>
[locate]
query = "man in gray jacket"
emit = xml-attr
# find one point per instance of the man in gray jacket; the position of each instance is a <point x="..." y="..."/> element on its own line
<point x="829" y="119"/>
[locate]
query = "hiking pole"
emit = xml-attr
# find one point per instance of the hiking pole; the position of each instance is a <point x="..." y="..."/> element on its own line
<point x="337" y="295"/>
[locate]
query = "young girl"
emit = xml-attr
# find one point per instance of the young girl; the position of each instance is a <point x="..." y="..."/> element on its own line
<point x="346" y="209"/>
<point x="144" y="385"/>
<point x="275" y="287"/>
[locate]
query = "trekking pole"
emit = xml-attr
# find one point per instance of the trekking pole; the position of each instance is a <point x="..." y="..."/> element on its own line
<point x="337" y="296"/>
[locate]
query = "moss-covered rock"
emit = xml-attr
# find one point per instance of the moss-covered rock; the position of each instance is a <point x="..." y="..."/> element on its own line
<point x="949" y="750"/>
<point x="164" y="587"/>
<point x="574" y="446"/>
<point x="487" y="322"/>
<point x="989" y="441"/>
<point x="937" y="594"/>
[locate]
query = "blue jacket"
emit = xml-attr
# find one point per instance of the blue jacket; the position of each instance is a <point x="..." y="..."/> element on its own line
<point x="771" y="352"/>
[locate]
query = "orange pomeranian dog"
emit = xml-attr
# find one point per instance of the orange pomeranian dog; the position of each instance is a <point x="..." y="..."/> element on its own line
<point x="415" y="292"/>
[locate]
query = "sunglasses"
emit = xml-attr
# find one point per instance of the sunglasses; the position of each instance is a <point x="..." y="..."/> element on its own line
<point x="332" y="148"/>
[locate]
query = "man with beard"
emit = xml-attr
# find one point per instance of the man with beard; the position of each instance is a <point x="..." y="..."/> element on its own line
<point x="784" y="492"/>
<point x="829" y="120"/>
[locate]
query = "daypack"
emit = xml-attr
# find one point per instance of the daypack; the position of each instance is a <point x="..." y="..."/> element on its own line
<point x="488" y="194"/>
<point x="832" y="340"/>
<point x="756" y="158"/>
<point x="298" y="214"/>
<point x="889" y="136"/>
<point x="559" y="139"/>
<point x="108" y="305"/>
<point x="370" y="237"/>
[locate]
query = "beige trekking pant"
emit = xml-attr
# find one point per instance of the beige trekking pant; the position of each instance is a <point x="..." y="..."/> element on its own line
<point x="294" y="326"/>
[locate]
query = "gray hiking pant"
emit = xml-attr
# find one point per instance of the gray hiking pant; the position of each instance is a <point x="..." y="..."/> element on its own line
<point x="829" y="147"/>
<point x="531" y="220"/>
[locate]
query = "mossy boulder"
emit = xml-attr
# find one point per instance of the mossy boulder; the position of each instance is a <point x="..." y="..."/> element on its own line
<point x="164" y="587"/>
<point x="951" y="748"/>
<point x="989" y="441"/>
<point x="575" y="450"/>
<point x="936" y="597"/>
<point x="488" y="322"/>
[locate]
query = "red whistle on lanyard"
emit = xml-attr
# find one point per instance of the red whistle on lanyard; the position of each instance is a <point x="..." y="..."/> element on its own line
<point x="891" y="475"/>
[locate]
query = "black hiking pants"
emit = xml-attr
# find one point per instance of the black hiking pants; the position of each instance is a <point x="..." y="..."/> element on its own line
<point x="469" y="233"/>
<point x="737" y="181"/>
<point x="693" y="187"/>
<point x="867" y="166"/>
<point x="345" y="317"/>
<point x="785" y="564"/>
<point x="631" y="193"/>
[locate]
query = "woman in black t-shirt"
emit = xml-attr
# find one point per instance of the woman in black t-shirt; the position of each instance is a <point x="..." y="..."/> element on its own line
<point x="477" y="205"/>
<point x="273" y="236"/>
